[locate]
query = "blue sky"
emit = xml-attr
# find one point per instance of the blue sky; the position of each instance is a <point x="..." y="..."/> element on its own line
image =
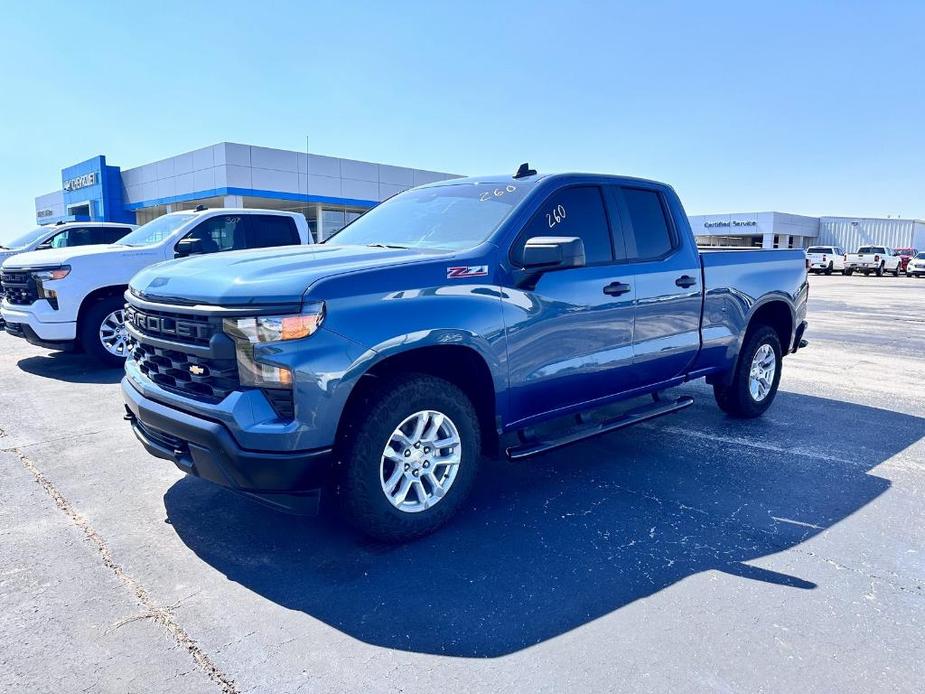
<point x="814" y="108"/>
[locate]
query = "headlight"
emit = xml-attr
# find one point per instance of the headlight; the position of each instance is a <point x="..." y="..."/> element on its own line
<point x="248" y="332"/>
<point x="49" y="275"/>
<point x="52" y="273"/>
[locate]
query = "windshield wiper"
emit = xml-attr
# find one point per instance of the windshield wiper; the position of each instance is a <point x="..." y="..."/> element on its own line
<point x="385" y="245"/>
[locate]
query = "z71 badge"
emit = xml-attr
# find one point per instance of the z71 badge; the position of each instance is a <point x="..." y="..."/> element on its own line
<point x="458" y="273"/>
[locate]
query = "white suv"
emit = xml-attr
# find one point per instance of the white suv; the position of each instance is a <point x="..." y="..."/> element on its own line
<point x="825" y="259"/>
<point x="916" y="266"/>
<point x="62" y="298"/>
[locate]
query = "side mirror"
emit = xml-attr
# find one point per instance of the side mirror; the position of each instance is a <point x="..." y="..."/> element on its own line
<point x="187" y="247"/>
<point x="545" y="253"/>
<point x="43" y="246"/>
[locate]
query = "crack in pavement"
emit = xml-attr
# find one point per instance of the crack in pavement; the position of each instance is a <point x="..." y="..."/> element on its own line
<point x="152" y="611"/>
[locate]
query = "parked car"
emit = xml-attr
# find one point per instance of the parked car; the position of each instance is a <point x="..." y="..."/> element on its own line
<point x="905" y="255"/>
<point x="69" y="297"/>
<point x="916" y="266"/>
<point x="825" y="259"/>
<point x="392" y="356"/>
<point x="876" y="259"/>
<point x="63" y="235"/>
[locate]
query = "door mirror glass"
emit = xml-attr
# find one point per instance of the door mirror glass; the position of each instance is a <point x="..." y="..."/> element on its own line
<point x="43" y="246"/>
<point x="187" y="247"/>
<point x="546" y="253"/>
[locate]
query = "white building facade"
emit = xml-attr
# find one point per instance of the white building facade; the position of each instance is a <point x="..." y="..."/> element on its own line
<point x="329" y="191"/>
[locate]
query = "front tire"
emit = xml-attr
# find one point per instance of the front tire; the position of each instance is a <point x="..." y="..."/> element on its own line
<point x="102" y="331"/>
<point x="756" y="377"/>
<point x="410" y="456"/>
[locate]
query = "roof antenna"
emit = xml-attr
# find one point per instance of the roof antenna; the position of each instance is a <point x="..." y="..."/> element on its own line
<point x="525" y="171"/>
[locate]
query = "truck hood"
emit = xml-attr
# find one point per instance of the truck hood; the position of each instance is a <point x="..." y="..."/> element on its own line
<point x="64" y="256"/>
<point x="265" y="276"/>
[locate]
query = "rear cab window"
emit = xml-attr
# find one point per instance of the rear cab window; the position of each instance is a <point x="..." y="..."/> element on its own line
<point x="648" y="231"/>
<point x="576" y="211"/>
<point x="266" y="230"/>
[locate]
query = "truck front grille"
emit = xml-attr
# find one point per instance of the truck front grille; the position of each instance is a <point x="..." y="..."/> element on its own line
<point x="19" y="288"/>
<point x="210" y="380"/>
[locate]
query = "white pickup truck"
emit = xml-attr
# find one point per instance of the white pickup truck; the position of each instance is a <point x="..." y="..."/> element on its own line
<point x="63" y="235"/>
<point x="825" y="259"/>
<point x="876" y="259"/>
<point x="73" y="297"/>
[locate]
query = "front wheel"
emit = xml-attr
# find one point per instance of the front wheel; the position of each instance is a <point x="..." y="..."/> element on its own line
<point x="102" y="331"/>
<point x="410" y="457"/>
<point x="756" y="377"/>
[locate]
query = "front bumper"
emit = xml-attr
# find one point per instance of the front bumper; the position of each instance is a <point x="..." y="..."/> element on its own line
<point x="53" y="335"/>
<point x="289" y="481"/>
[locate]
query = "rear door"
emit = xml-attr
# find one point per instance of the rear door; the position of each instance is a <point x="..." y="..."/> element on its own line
<point x="667" y="273"/>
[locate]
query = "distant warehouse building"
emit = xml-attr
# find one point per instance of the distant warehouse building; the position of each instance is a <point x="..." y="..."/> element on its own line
<point x="329" y="191"/>
<point x="782" y="230"/>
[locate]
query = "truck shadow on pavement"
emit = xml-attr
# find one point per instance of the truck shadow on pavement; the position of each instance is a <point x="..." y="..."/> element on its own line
<point x="549" y="545"/>
<point x="70" y="367"/>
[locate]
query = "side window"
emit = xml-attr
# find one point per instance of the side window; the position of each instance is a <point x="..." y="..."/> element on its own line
<point x="264" y="230"/>
<point x="110" y="234"/>
<point x="649" y="234"/>
<point x="571" y="212"/>
<point x="220" y="233"/>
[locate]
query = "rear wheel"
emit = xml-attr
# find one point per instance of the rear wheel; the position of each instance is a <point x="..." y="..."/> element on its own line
<point x="829" y="269"/>
<point x="848" y="272"/>
<point x="102" y="331"/>
<point x="896" y="271"/>
<point x="879" y="270"/>
<point x="410" y="457"/>
<point x="756" y="377"/>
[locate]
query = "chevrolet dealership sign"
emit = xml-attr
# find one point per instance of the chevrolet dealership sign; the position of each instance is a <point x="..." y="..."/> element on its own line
<point x="90" y="179"/>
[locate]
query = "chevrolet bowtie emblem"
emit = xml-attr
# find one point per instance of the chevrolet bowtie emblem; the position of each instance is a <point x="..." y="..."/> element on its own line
<point x="196" y="370"/>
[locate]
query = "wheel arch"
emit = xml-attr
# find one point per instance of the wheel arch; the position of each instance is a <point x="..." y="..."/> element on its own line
<point x="96" y="295"/>
<point x="462" y="364"/>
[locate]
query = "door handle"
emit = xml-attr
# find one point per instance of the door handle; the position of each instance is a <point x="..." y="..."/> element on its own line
<point x="616" y="289"/>
<point x="685" y="281"/>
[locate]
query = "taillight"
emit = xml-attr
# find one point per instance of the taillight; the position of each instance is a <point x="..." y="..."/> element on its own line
<point x="876" y="258"/>
<point x="823" y="259"/>
<point x="845" y="257"/>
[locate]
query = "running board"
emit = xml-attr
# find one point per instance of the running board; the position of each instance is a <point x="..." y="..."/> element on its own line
<point x="628" y="418"/>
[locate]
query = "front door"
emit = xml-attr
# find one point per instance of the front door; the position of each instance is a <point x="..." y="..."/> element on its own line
<point x="570" y="338"/>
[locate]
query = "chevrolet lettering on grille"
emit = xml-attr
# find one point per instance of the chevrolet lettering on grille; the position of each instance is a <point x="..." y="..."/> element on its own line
<point x="166" y="326"/>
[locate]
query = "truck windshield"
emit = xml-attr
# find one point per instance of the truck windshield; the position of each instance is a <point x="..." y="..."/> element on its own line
<point x="27" y="238"/>
<point x="448" y="217"/>
<point x="155" y="231"/>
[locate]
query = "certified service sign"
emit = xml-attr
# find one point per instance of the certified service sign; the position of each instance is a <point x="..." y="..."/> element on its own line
<point x="90" y="179"/>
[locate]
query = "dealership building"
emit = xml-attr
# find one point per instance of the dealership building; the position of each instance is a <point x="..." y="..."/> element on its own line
<point x="329" y="191"/>
<point x="782" y="230"/>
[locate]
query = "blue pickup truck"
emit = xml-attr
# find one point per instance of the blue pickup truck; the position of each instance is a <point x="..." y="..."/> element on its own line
<point x="451" y="323"/>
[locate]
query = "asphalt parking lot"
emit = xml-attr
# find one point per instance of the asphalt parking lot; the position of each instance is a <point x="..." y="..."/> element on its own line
<point x="692" y="553"/>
